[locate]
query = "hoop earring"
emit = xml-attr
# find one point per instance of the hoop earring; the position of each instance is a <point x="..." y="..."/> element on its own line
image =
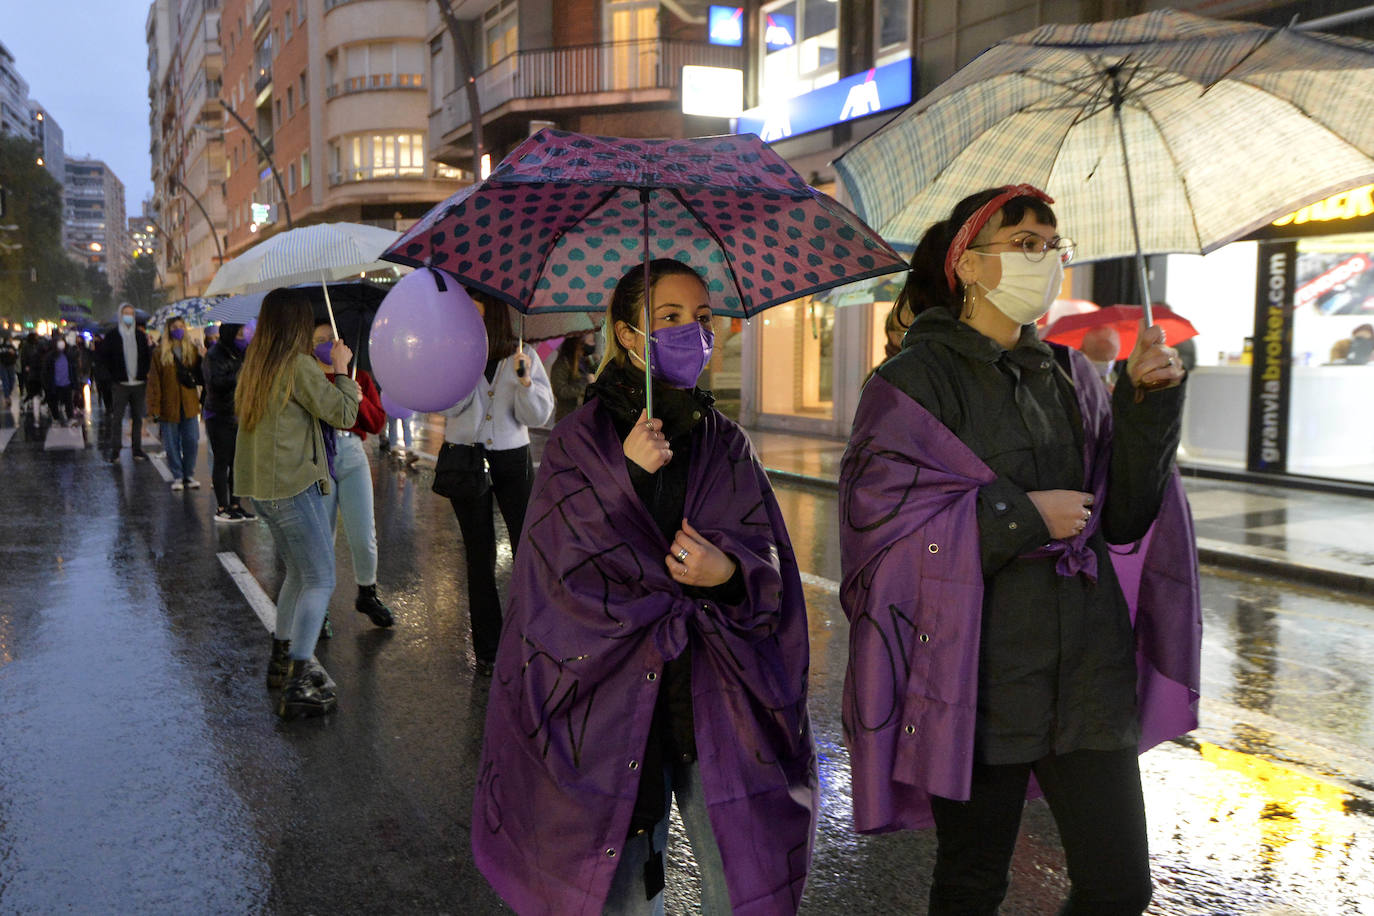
<point x="968" y="302"/>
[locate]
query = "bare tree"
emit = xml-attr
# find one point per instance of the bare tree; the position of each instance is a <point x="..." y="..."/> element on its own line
<point x="463" y="57"/>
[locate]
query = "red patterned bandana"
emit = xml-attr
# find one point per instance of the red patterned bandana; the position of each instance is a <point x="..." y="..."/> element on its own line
<point x="979" y="219"/>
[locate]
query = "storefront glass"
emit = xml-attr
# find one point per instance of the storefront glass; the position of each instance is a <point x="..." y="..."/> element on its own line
<point x="1333" y="335"/>
<point x="722" y="376"/>
<point x="796" y="374"/>
<point x="1330" y="378"/>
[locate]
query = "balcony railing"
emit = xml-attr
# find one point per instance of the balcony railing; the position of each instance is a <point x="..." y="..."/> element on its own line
<point x="431" y="170"/>
<point x="376" y="81"/>
<point x="264" y="78"/>
<point x="260" y="11"/>
<point x="612" y="67"/>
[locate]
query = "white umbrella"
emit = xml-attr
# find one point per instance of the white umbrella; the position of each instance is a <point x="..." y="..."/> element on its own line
<point x="308" y="254"/>
<point x="1205" y="129"/>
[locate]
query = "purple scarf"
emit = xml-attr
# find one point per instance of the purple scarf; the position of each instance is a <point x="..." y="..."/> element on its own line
<point x="913" y="592"/>
<point x="593" y="616"/>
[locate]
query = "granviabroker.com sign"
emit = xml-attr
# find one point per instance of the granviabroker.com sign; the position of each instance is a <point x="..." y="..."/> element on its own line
<point x="1271" y="368"/>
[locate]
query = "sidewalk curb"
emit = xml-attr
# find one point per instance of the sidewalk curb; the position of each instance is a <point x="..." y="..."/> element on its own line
<point x="1209" y="552"/>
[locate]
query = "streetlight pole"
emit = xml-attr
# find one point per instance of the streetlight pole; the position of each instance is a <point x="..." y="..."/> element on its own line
<point x="219" y="249"/>
<point x="262" y="148"/>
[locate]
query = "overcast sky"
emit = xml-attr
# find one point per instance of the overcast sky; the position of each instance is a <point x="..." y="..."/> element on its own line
<point x="86" y="62"/>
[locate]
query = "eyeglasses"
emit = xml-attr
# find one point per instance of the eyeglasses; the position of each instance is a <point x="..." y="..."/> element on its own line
<point x="1034" y="247"/>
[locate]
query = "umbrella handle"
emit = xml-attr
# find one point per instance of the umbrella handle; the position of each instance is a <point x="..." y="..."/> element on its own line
<point x="329" y="306"/>
<point x="648" y="325"/>
<point x="1118" y="99"/>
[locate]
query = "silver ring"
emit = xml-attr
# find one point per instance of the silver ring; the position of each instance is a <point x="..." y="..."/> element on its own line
<point x="1087" y="513"/>
<point x="681" y="555"/>
<point x="1170" y="363"/>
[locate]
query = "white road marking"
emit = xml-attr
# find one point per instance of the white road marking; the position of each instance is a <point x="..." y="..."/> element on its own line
<point x="161" y="464"/>
<point x="5" y="436"/>
<point x="257" y="599"/>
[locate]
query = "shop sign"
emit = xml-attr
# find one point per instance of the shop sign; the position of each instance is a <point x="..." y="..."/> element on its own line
<point x="1339" y="275"/>
<point x="779" y="31"/>
<point x="1271" y="369"/>
<point x="725" y="25"/>
<point x="875" y="90"/>
<point x="713" y="92"/>
<point x="1348" y="212"/>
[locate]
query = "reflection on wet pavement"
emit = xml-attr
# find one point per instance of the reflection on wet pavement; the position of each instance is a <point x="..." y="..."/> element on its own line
<point x="141" y="769"/>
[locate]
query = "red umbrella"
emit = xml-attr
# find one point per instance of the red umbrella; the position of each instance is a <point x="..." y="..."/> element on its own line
<point x="1125" y="319"/>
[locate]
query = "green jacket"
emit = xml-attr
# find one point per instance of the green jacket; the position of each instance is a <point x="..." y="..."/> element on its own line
<point x="284" y="454"/>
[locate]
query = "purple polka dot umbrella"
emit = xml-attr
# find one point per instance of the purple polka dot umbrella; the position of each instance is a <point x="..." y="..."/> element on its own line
<point x="565" y="216"/>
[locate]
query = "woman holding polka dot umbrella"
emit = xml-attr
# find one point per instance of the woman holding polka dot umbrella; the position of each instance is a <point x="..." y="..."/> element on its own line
<point x="564" y="215"/>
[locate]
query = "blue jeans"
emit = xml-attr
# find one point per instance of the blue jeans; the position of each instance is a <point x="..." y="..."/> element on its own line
<point x="405" y="435"/>
<point x="627" y="887"/>
<point x="352" y="498"/>
<point x="301" y="532"/>
<point x="182" y="441"/>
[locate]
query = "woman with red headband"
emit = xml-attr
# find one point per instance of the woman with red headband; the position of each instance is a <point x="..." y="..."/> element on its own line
<point x="990" y="636"/>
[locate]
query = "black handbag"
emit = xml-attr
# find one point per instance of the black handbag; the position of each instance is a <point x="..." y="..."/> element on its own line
<point x="461" y="472"/>
<point x="185" y="375"/>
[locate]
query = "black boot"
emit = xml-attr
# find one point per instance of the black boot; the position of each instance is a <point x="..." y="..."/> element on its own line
<point x="302" y="696"/>
<point x="368" y="603"/>
<point x="326" y="628"/>
<point x="278" y="664"/>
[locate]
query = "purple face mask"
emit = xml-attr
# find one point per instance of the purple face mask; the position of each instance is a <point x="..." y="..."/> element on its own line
<point x="323" y="352"/>
<point x="177" y="333"/>
<point x="241" y="343"/>
<point x="680" y="354"/>
<point x="248" y="330"/>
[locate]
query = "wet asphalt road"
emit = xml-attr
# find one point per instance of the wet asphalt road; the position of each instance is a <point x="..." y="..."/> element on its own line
<point x="142" y="771"/>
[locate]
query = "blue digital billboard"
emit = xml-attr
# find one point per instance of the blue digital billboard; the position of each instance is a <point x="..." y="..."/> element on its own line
<point x="854" y="96"/>
<point x="725" y="25"/>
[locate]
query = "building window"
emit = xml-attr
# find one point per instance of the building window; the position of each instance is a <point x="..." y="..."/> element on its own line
<point x="436" y="73"/>
<point x="382" y="65"/>
<point x="286" y="25"/>
<point x="290" y="101"/>
<point x="305" y="170"/>
<point x="372" y="156"/>
<point x="500" y="32"/>
<point x="800" y="47"/>
<point x="301" y="92"/>
<point x="631" y="27"/>
<point x="300" y="14"/>
<point x="893" y="31"/>
<point x="277" y="108"/>
<point x="291" y="178"/>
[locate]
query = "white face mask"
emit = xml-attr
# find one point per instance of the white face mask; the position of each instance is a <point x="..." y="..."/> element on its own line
<point x="1027" y="288"/>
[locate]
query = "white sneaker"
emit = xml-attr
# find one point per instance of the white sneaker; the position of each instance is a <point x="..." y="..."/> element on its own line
<point x="192" y="483"/>
<point x="177" y="485"/>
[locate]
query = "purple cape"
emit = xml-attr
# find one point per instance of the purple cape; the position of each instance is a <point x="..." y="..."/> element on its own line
<point x="593" y="616"/>
<point x="913" y="591"/>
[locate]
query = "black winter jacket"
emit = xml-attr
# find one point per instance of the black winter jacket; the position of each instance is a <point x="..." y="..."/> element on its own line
<point x="221" y="367"/>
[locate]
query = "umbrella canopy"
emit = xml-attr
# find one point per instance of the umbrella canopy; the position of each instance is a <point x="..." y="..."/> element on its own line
<point x="309" y="254"/>
<point x="564" y="216"/>
<point x="194" y="311"/>
<point x="1061" y="307"/>
<point x="1227" y="126"/>
<point x="1125" y="320"/>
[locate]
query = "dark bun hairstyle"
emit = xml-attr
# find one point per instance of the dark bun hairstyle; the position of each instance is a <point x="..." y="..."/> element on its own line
<point x="926" y="286"/>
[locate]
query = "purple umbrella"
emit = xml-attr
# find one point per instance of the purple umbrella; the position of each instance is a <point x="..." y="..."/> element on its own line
<point x="562" y="217"/>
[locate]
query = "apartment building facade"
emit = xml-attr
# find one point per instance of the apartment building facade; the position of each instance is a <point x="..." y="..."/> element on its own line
<point x="95" y="228"/>
<point x="333" y="96"/>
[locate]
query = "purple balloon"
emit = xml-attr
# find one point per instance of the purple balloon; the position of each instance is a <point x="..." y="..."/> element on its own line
<point x="428" y="343"/>
<point x="394" y="410"/>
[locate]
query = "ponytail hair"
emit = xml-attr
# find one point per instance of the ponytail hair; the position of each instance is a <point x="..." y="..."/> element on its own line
<point x="926" y="286"/>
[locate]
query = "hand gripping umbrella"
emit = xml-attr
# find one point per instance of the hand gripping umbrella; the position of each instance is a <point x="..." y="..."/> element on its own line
<point x="1160" y="133"/>
<point x="562" y="217"/>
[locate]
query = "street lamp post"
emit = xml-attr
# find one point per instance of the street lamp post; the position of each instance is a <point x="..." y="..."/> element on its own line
<point x="219" y="249"/>
<point x="271" y="164"/>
